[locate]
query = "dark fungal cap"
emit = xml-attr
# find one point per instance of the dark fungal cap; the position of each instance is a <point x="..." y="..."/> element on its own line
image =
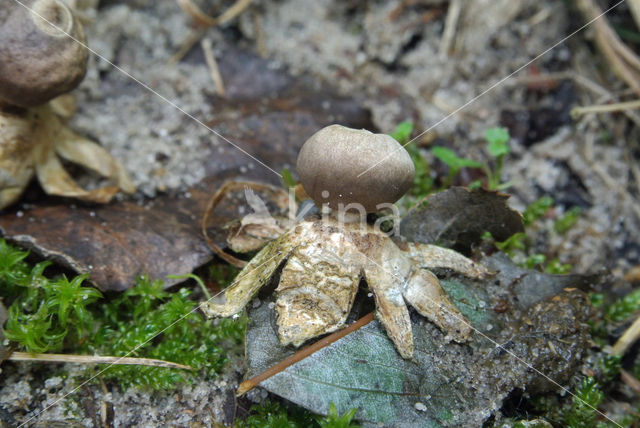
<point x="39" y="61"/>
<point x="331" y="160"/>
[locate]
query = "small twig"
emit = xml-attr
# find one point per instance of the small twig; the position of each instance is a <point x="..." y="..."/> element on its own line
<point x="634" y="6"/>
<point x="541" y="16"/>
<point x="606" y="45"/>
<point x="236" y="9"/>
<point x="204" y="22"/>
<point x="261" y="45"/>
<point x="576" y="112"/>
<point x="622" y="60"/>
<point x="579" y="79"/>
<point x="95" y="359"/>
<point x="213" y="66"/>
<point x="450" y="25"/>
<point x="248" y="385"/>
<point x="630" y="380"/>
<point x="624" y="50"/>
<point x="627" y="339"/>
<point x="187" y="45"/>
<point x="198" y="16"/>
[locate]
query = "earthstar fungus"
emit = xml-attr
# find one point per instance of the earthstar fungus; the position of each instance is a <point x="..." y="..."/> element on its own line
<point x="39" y="62"/>
<point x="323" y="258"/>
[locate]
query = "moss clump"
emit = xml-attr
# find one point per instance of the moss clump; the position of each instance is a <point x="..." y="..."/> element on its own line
<point x="583" y="410"/>
<point x="45" y="314"/>
<point x="147" y="321"/>
<point x="58" y="314"/>
<point x="273" y="414"/>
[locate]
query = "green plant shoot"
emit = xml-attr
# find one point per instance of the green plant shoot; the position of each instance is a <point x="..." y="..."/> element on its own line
<point x="498" y="139"/>
<point x="422" y="182"/>
<point x="454" y="162"/>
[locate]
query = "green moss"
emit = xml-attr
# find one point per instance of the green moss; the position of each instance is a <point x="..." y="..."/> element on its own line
<point x="566" y="222"/>
<point x="533" y="261"/>
<point x="45" y="315"/>
<point x="275" y="415"/>
<point x="623" y="308"/>
<point x="518" y="245"/>
<point x="609" y="367"/>
<point x="537" y="209"/>
<point x="454" y="162"/>
<point x="58" y="314"/>
<point x="157" y="324"/>
<point x="582" y="412"/>
<point x="14" y="271"/>
<point x="497" y="147"/>
<point x="334" y="420"/>
<point x="422" y="181"/>
<point x="557" y="268"/>
<point x="514" y="243"/>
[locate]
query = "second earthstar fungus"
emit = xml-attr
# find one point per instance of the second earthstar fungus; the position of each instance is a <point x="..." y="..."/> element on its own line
<point x="43" y="56"/>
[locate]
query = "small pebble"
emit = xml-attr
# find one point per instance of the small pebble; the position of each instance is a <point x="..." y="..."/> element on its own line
<point x="420" y="407"/>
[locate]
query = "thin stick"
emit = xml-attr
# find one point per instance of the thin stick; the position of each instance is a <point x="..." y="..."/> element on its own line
<point x="541" y="16"/>
<point x="187" y="45"/>
<point x="634" y="7"/>
<point x="607" y="46"/>
<point x="213" y="66"/>
<point x="236" y="9"/>
<point x="627" y="338"/>
<point x="581" y="80"/>
<point x="630" y="380"/>
<point x="248" y="385"/>
<point x="204" y="22"/>
<point x="625" y="51"/>
<point x="609" y="43"/>
<point x="261" y="45"/>
<point x="604" y="108"/>
<point x="95" y="359"/>
<point x="450" y="24"/>
<point x="199" y="17"/>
